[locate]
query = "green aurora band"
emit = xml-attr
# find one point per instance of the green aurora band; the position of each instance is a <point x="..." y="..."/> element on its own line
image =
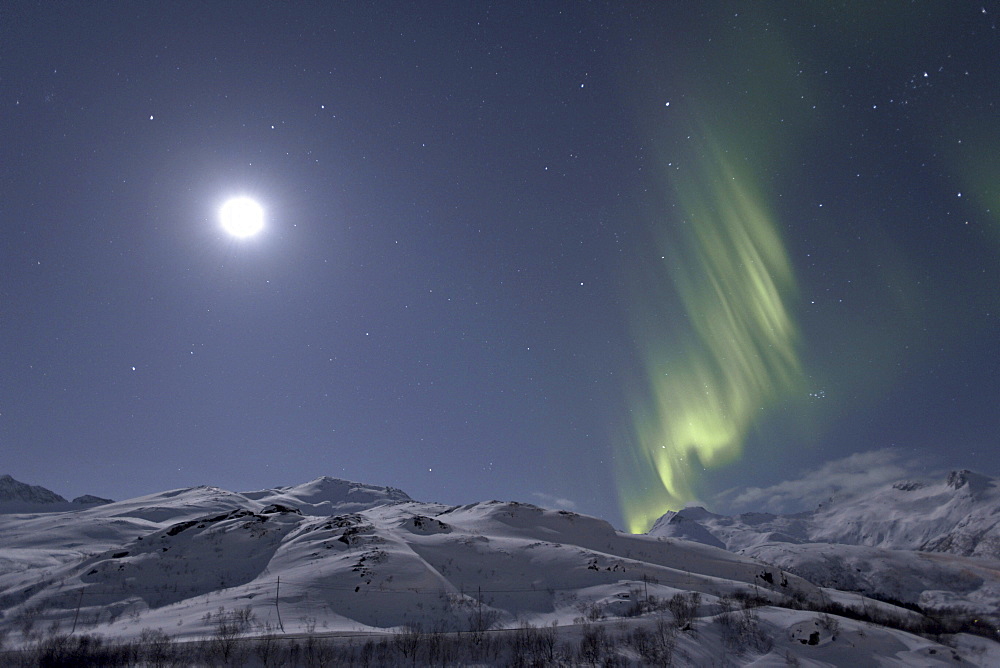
<point x="735" y="283"/>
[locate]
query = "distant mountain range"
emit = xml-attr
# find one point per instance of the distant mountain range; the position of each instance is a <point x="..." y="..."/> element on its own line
<point x="935" y="544"/>
<point x="959" y="515"/>
<point x="15" y="493"/>
<point x="332" y="555"/>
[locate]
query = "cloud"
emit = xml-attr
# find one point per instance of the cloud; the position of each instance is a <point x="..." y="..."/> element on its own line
<point x="553" y="501"/>
<point x="841" y="478"/>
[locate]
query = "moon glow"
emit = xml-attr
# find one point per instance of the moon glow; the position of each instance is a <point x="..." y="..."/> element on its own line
<point x="242" y="217"/>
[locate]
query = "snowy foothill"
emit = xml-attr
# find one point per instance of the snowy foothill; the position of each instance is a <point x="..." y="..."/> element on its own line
<point x="350" y="563"/>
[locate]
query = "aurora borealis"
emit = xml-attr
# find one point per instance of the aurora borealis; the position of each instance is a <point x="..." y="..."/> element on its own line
<point x="716" y="326"/>
<point x="614" y="258"/>
<point x="738" y="352"/>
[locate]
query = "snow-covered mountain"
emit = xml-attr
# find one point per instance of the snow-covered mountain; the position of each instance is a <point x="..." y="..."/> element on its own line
<point x="335" y="556"/>
<point x="959" y="514"/>
<point x="14" y="491"/>
<point x="934" y="544"/>
<point x="91" y="500"/>
<point x="16" y="496"/>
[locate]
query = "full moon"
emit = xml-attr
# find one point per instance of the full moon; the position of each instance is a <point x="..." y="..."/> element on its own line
<point x="242" y="217"/>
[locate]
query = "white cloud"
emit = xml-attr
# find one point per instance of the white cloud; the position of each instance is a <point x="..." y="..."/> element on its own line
<point x="553" y="501"/>
<point x="839" y="478"/>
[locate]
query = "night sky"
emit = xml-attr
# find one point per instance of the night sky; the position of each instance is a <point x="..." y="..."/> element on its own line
<point x="613" y="257"/>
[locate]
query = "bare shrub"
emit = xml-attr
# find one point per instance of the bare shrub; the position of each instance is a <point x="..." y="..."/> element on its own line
<point x="229" y="629"/>
<point x="594" y="644"/>
<point x="366" y="656"/>
<point x="591" y="611"/>
<point x="480" y="621"/>
<point x="666" y="639"/>
<point x="490" y="648"/>
<point x="829" y="624"/>
<point x="748" y="600"/>
<point x="655" y="647"/>
<point x="545" y="644"/>
<point x="317" y="652"/>
<point x="642" y="642"/>
<point x="684" y="608"/>
<point x="155" y="648"/>
<point x="27" y="620"/>
<point x="638" y="603"/>
<point x="740" y="626"/>
<point x="84" y="650"/>
<point x="407" y="642"/>
<point x="532" y="646"/>
<point x="266" y="647"/>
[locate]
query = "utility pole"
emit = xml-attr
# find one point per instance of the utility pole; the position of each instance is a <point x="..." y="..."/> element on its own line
<point x="77" y="615"/>
<point x="276" y="590"/>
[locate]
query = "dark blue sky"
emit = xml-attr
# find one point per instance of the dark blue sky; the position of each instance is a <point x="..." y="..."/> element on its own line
<point x="489" y="238"/>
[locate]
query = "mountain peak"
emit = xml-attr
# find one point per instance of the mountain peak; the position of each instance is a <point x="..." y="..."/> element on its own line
<point x="91" y="500"/>
<point x="330" y="483"/>
<point x="15" y="490"/>
<point x="695" y="513"/>
<point x="328" y="495"/>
